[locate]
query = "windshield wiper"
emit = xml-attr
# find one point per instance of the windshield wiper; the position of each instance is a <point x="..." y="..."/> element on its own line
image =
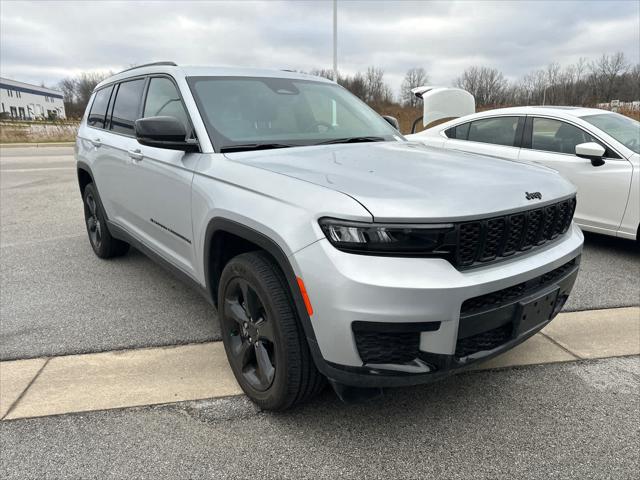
<point x="254" y="146"/>
<point x="352" y="140"/>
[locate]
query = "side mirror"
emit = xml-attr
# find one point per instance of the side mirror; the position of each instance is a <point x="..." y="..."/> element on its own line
<point x="393" y="121"/>
<point x="593" y="151"/>
<point x="164" y="132"/>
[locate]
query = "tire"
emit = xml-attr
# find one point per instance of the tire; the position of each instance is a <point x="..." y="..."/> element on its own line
<point x="262" y="335"/>
<point x="103" y="244"/>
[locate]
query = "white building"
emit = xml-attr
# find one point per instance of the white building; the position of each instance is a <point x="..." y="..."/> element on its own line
<point x="29" y="102"/>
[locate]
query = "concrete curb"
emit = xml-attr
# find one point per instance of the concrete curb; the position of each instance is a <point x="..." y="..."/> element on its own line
<point x="130" y="378"/>
<point x="37" y="145"/>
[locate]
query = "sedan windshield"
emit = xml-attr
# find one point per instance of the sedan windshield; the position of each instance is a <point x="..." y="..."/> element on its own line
<point x="247" y="113"/>
<point x="623" y="129"/>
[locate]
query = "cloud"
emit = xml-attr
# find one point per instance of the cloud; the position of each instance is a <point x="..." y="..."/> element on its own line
<point x="46" y="41"/>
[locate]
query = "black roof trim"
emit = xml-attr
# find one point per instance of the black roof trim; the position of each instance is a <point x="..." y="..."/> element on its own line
<point x="152" y="64"/>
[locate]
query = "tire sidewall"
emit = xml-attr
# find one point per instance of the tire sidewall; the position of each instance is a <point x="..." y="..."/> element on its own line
<point x="90" y="190"/>
<point x="276" y="393"/>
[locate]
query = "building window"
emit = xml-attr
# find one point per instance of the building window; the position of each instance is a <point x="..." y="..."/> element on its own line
<point x="10" y="92"/>
<point x="18" y="94"/>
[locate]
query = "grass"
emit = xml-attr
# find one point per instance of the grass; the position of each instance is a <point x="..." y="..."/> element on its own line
<point x="635" y="114"/>
<point x="37" y="132"/>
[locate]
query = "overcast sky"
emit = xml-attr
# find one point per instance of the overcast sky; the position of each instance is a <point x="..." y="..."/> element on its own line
<point x="48" y="40"/>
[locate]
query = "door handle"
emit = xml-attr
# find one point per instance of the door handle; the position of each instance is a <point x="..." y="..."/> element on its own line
<point x="96" y="142"/>
<point x="136" y="155"/>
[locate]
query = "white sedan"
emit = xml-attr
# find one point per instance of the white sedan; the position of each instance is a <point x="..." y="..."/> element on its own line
<point x="597" y="150"/>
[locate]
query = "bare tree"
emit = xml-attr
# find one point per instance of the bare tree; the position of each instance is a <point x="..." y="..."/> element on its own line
<point x="487" y="85"/>
<point x="77" y="91"/>
<point x="415" y="77"/>
<point x="606" y="72"/>
<point x="377" y="91"/>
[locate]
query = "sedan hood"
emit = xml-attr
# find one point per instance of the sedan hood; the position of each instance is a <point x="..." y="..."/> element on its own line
<point x="405" y="181"/>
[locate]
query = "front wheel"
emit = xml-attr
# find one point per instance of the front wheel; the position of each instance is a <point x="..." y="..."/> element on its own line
<point x="262" y="335"/>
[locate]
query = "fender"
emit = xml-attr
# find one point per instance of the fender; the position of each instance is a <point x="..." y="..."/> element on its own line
<point x="271" y="247"/>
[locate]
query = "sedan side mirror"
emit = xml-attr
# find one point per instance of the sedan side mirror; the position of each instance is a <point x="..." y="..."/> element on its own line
<point x="164" y="132"/>
<point x="593" y="151"/>
<point x="393" y="121"/>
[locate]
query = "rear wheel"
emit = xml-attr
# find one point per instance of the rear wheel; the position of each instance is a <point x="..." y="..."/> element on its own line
<point x="262" y="335"/>
<point x="103" y="244"/>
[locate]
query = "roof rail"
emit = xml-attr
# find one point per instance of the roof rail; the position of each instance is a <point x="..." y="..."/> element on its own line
<point x="152" y="64"/>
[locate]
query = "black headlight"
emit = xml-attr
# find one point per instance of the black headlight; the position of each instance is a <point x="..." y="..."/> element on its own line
<point x="390" y="239"/>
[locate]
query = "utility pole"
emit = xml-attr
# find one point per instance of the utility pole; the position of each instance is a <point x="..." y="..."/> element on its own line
<point x="335" y="40"/>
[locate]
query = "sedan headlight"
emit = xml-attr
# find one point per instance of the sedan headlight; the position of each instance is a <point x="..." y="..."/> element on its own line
<point x="390" y="239"/>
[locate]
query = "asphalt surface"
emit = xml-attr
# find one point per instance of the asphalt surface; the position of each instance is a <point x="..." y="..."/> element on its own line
<point x="576" y="420"/>
<point x="57" y="298"/>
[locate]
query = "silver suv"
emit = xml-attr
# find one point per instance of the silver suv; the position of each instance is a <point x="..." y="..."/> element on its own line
<point x="332" y="247"/>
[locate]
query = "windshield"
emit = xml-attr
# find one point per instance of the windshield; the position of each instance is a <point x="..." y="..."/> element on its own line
<point x="623" y="129"/>
<point x="249" y="112"/>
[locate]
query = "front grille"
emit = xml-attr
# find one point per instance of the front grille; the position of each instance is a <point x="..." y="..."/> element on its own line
<point x="484" y="341"/>
<point x="490" y="239"/>
<point x="510" y="294"/>
<point x="387" y="347"/>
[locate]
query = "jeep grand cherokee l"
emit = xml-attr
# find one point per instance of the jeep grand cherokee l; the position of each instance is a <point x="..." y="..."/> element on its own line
<point x="332" y="247"/>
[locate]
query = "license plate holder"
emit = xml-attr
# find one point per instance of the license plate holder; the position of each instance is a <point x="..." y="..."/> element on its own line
<point x="535" y="311"/>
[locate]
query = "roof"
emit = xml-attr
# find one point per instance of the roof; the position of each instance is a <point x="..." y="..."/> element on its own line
<point x="203" y="71"/>
<point x="561" y="111"/>
<point x="29" y="88"/>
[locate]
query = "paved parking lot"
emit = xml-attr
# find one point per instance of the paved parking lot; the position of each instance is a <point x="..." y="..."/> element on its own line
<point x="574" y="420"/>
<point x="57" y="298"/>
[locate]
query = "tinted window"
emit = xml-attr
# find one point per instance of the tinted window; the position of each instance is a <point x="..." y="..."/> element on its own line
<point x="163" y="99"/>
<point x="459" y="133"/>
<point x="556" y="136"/>
<point x="99" y="107"/>
<point x="127" y="106"/>
<point x="499" y="131"/>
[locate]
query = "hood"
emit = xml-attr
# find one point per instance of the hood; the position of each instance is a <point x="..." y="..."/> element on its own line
<point x="405" y="181"/>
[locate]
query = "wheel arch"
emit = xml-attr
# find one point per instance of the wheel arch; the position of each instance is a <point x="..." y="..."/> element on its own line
<point x="85" y="176"/>
<point x="219" y="230"/>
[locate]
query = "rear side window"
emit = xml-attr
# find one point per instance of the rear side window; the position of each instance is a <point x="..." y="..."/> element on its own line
<point x="163" y="99"/>
<point x="498" y="131"/>
<point x="99" y="108"/>
<point x="459" y="133"/>
<point x="126" y="109"/>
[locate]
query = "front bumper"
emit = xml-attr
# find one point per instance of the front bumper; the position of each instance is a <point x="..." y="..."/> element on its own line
<point x="427" y="318"/>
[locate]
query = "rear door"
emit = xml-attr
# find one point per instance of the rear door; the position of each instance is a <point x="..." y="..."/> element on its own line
<point x="602" y="191"/>
<point x="498" y="136"/>
<point x="159" y="192"/>
<point x="92" y="149"/>
<point x="117" y="140"/>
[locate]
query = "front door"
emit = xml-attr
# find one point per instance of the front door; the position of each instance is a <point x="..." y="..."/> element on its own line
<point x="160" y="180"/>
<point x="602" y="191"/>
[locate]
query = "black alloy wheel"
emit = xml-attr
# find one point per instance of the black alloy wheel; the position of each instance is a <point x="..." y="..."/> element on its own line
<point x="262" y="334"/>
<point x="252" y="342"/>
<point x="94" y="227"/>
